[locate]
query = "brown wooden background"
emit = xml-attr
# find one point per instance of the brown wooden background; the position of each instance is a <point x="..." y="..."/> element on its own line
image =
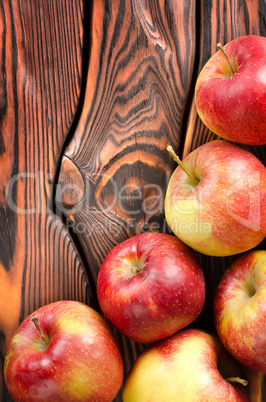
<point x="91" y="93"/>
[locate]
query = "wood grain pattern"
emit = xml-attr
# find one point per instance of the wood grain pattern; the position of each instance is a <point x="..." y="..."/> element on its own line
<point x="140" y="69"/>
<point x="41" y="47"/>
<point x="134" y="99"/>
<point x="141" y="64"/>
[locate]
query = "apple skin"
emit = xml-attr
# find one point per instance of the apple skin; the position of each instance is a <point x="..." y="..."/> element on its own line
<point x="234" y="106"/>
<point x="240" y="309"/>
<point x="183" y="367"/>
<point x="82" y="361"/>
<point x="225" y="213"/>
<point x="165" y="296"/>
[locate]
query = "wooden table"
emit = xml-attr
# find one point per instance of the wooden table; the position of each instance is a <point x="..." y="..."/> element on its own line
<point x="91" y="93"/>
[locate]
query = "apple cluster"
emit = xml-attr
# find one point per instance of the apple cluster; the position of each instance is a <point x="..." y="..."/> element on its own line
<point x="222" y="185"/>
<point x="151" y="287"/>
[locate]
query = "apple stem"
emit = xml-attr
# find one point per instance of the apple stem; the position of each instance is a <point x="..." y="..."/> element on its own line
<point x="220" y="47"/>
<point x="135" y="270"/>
<point x="238" y="380"/>
<point x="181" y="164"/>
<point x="35" y="321"/>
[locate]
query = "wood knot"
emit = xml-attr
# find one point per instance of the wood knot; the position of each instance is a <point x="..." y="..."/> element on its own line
<point x="70" y="189"/>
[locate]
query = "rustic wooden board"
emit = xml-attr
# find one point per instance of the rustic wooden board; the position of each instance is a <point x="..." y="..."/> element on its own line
<point x="141" y="63"/>
<point x="111" y="126"/>
<point x="140" y="70"/>
<point x="41" y="46"/>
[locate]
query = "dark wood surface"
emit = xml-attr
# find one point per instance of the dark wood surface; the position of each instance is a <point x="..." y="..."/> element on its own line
<point x="91" y="93"/>
<point x="41" y="47"/>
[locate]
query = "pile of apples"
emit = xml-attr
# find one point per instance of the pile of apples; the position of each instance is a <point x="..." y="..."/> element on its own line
<point x="151" y="287"/>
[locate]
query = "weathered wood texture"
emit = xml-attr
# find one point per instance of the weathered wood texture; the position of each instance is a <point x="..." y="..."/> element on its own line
<point x="41" y="46"/>
<point x="140" y="70"/>
<point x="141" y="64"/>
<point x="135" y="98"/>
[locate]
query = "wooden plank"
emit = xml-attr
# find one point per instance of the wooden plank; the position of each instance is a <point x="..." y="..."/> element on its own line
<point x="41" y="45"/>
<point x="138" y="98"/>
<point x="141" y="64"/>
<point x="139" y="75"/>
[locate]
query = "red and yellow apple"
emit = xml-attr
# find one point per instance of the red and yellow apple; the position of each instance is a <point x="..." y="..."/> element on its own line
<point x="64" y="351"/>
<point x="240" y="309"/>
<point x="230" y="92"/>
<point x="190" y="366"/>
<point x="220" y="209"/>
<point x="150" y="286"/>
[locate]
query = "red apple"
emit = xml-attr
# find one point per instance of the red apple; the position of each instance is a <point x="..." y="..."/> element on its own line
<point x="69" y="354"/>
<point x="150" y="286"/>
<point x="230" y="92"/>
<point x="240" y="309"/>
<point x="189" y="366"/>
<point x="221" y="209"/>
